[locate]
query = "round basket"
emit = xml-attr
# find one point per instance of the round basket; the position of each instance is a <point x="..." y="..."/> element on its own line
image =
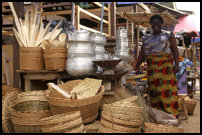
<point x="158" y="128"/>
<point x="190" y="105"/>
<point x="31" y="58"/>
<point x="7" y="89"/>
<point x="87" y="106"/>
<point x="27" y="109"/>
<point x="55" y="59"/>
<point x="7" y="125"/>
<point x="62" y="123"/>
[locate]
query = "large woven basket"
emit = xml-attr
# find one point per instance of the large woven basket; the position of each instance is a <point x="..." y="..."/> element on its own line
<point x="27" y="109"/>
<point x="55" y="59"/>
<point x="158" y="128"/>
<point x="87" y="106"/>
<point x="63" y="123"/>
<point x="7" y="89"/>
<point x="7" y="125"/>
<point x="190" y="105"/>
<point x="31" y="58"/>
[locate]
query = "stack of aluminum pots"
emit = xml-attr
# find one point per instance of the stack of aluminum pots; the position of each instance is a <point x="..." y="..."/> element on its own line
<point x="81" y="53"/>
<point x="99" y="43"/>
<point x="122" y="42"/>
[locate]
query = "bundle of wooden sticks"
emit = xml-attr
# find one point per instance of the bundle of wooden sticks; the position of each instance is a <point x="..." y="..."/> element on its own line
<point x="30" y="31"/>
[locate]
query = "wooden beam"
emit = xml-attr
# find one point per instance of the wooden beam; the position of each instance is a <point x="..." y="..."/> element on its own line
<point x="100" y="5"/>
<point x="92" y="30"/>
<point x="56" y="12"/>
<point x="9" y="17"/>
<point x="137" y="44"/>
<point x="4" y="4"/>
<point x="7" y="32"/>
<point x="6" y="67"/>
<point x="92" y="15"/>
<point x="19" y="8"/>
<point x="113" y="19"/>
<point x="142" y="5"/>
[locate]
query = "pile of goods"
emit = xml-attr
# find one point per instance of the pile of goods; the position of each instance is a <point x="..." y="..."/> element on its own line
<point x="122" y="117"/>
<point x="77" y="95"/>
<point x="33" y="38"/>
<point x="7" y="89"/>
<point x="63" y="123"/>
<point x="158" y="128"/>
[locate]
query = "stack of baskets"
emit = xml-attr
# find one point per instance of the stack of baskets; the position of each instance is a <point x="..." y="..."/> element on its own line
<point x="121" y="117"/>
<point x="55" y="59"/>
<point x="26" y="110"/>
<point x="63" y="123"/>
<point x="158" y="128"/>
<point x="31" y="58"/>
<point x="87" y="106"/>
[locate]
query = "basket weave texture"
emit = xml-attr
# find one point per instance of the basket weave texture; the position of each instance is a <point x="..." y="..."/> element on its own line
<point x="31" y="58"/>
<point x="26" y="109"/>
<point x="190" y="105"/>
<point x="87" y="106"/>
<point x="63" y="123"/>
<point x="55" y="59"/>
<point x="158" y="128"/>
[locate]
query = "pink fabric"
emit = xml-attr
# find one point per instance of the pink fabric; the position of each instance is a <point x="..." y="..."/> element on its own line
<point x="186" y="23"/>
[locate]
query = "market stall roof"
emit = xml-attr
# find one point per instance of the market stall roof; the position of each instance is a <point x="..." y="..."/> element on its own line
<point x="186" y="23"/>
<point x="143" y="18"/>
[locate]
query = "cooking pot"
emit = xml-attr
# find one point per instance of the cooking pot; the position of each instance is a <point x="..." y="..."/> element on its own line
<point x="79" y="35"/>
<point x="122" y="32"/>
<point x="98" y="39"/>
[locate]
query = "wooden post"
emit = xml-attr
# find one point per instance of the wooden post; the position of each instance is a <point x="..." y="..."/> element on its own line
<point x="137" y="44"/>
<point x="73" y="14"/>
<point x="113" y="19"/>
<point x="109" y="20"/>
<point x="77" y="16"/>
<point x="19" y="8"/>
<point x="6" y="67"/>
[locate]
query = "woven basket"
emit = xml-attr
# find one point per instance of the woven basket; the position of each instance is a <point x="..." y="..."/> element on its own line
<point x="55" y="59"/>
<point x="27" y="109"/>
<point x="7" y="125"/>
<point x="7" y="89"/>
<point x="31" y="58"/>
<point x="87" y="106"/>
<point x="190" y="105"/>
<point x="158" y="128"/>
<point x="62" y="123"/>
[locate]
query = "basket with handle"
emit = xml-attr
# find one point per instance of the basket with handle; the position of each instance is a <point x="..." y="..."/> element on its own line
<point x="26" y="109"/>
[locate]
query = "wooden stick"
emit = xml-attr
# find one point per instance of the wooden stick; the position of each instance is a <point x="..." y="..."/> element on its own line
<point x="56" y="27"/>
<point x="18" y="38"/>
<point x="55" y="34"/>
<point x="58" y="89"/>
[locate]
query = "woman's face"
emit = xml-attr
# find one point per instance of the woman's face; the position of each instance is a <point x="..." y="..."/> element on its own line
<point x="156" y="25"/>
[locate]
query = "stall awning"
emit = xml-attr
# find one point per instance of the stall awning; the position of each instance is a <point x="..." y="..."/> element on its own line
<point x="143" y="18"/>
<point x="186" y="23"/>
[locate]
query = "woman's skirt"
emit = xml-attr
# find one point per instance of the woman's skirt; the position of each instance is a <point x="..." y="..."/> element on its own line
<point x="162" y="83"/>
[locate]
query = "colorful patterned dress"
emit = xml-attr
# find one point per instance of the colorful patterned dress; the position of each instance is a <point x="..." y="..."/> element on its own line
<point x="160" y="73"/>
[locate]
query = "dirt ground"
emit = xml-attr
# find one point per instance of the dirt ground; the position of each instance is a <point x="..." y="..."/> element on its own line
<point x="192" y="125"/>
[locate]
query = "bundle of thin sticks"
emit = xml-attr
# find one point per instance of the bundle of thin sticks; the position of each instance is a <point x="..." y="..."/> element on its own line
<point x="30" y="31"/>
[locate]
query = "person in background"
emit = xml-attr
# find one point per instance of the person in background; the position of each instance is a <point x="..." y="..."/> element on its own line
<point x="160" y="51"/>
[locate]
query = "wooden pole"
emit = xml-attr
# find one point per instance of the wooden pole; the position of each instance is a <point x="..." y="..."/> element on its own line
<point x="19" y="8"/>
<point x="77" y="16"/>
<point x="113" y="19"/>
<point x="137" y="44"/>
<point x="109" y="20"/>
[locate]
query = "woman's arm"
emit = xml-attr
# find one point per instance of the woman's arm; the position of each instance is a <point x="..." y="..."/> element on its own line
<point x="140" y="58"/>
<point x="174" y="49"/>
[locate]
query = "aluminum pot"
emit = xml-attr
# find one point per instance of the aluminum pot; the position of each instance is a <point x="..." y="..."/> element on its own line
<point x="79" y="66"/>
<point x="122" y="32"/>
<point x="79" y="35"/>
<point x="77" y="47"/>
<point x="98" y="39"/>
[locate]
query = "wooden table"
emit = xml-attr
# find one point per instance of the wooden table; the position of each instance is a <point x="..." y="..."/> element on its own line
<point x="193" y="82"/>
<point x="43" y="75"/>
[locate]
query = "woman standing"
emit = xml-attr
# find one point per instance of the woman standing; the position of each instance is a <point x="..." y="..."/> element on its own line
<point x="159" y="49"/>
